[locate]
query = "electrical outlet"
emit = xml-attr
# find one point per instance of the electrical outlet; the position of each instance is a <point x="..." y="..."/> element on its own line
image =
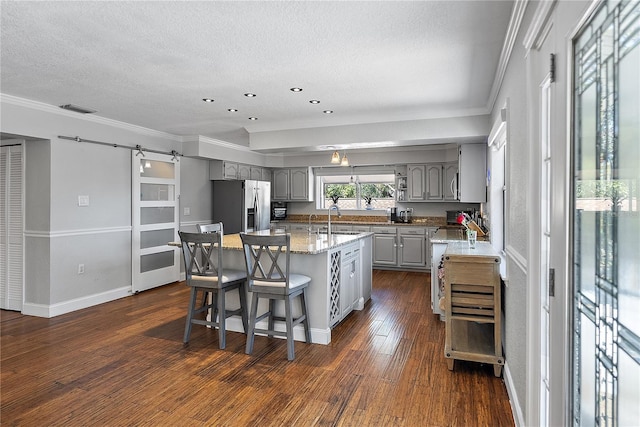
<point x="83" y="200"/>
<point x="187" y="211"/>
<point x="80" y="268"/>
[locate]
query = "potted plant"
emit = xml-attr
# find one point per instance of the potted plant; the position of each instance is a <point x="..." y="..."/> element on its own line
<point x="368" y="200"/>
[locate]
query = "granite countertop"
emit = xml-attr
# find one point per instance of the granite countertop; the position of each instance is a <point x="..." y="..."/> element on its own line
<point x="462" y="248"/>
<point x="451" y="235"/>
<point x="427" y="221"/>
<point x="302" y="242"/>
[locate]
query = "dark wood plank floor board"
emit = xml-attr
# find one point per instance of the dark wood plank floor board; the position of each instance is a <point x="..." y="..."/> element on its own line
<point x="124" y="363"/>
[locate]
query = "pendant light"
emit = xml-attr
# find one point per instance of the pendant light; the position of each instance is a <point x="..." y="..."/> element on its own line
<point x="335" y="158"/>
<point x="344" y="161"/>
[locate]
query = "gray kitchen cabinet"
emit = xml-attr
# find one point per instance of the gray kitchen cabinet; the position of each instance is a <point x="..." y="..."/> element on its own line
<point x="280" y="184"/>
<point x="350" y="279"/>
<point x="292" y="184"/>
<point x="255" y="173"/>
<point x="341" y="227"/>
<point x="472" y="173"/>
<point x="301" y="184"/>
<point x="433" y="182"/>
<point x="265" y="174"/>
<point x="412" y="248"/>
<point x="361" y="228"/>
<point x="450" y="181"/>
<point x="244" y="171"/>
<point x="416" y="180"/>
<point x="222" y="169"/>
<point x="226" y="170"/>
<point x="424" y="182"/>
<point x="385" y="246"/>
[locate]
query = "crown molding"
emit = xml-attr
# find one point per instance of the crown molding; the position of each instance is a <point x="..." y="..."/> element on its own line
<point x="515" y="21"/>
<point x="48" y="108"/>
<point x="538" y="25"/>
<point x="213" y="141"/>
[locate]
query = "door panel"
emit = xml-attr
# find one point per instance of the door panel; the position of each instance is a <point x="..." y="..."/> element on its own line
<point x="155" y="220"/>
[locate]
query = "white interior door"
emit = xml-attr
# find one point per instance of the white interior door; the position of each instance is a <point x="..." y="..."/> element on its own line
<point x="155" y="220"/>
<point x="11" y="233"/>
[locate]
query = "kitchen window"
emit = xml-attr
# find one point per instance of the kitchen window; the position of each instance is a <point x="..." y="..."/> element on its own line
<point x="356" y="191"/>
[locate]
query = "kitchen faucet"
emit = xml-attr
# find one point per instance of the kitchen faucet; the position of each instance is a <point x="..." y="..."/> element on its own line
<point x="334" y="206"/>
<point x="310" y="215"/>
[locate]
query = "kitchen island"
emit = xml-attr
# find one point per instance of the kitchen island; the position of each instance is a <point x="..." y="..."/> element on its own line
<point x="340" y="269"/>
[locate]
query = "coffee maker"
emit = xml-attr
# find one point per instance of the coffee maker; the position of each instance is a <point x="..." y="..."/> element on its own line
<point x="392" y="214"/>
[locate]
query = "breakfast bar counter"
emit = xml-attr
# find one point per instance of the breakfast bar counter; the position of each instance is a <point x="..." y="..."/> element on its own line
<point x="340" y="267"/>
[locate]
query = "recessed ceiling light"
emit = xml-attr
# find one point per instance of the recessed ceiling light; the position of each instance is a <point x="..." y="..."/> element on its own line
<point x="314" y="101"/>
<point x="253" y="118"/>
<point x="296" y="89"/>
<point x="207" y="99"/>
<point x="231" y="110"/>
<point x="328" y="111"/>
<point x="249" y="95"/>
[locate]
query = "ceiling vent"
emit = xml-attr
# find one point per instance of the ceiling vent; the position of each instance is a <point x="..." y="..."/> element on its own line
<point x="77" y="109"/>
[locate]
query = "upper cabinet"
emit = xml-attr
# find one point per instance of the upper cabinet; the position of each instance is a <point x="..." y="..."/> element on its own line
<point x="292" y="184"/>
<point x="416" y="177"/>
<point x="223" y="169"/>
<point x="450" y="186"/>
<point x="472" y="173"/>
<point x="464" y="180"/>
<point x="424" y="182"/>
<point x="434" y="181"/>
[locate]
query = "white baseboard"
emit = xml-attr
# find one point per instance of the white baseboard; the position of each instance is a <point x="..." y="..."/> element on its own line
<point x="516" y="409"/>
<point x="318" y="336"/>
<point x="43" y="310"/>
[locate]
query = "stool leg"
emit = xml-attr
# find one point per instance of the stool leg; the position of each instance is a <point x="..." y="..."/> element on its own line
<point x="272" y="311"/>
<point x="242" y="289"/>
<point x="289" y="321"/>
<point x="192" y="303"/>
<point x="222" y="318"/>
<point x="305" y="323"/>
<point x="252" y="323"/>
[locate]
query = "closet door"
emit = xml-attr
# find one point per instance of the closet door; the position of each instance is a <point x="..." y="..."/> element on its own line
<point x="11" y="233"/>
<point x="155" y="190"/>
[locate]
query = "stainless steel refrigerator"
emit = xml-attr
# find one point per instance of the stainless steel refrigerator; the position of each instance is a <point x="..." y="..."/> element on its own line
<point x="242" y="205"/>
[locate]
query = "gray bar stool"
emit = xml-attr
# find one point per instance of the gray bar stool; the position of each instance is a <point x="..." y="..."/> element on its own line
<point x="209" y="276"/>
<point x="269" y="277"/>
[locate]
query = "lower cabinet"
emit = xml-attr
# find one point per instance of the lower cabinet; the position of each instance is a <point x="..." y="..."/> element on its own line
<point x="401" y="247"/>
<point x="345" y="282"/>
<point x="385" y="246"/>
<point x="413" y="247"/>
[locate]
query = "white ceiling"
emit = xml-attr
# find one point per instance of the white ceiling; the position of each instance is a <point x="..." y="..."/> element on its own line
<point x="152" y="63"/>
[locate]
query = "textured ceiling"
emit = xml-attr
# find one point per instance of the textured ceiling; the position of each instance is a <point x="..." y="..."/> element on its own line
<point x="151" y="63"/>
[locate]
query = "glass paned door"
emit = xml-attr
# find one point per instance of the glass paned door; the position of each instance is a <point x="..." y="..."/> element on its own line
<point x="606" y="220"/>
<point x="155" y="189"/>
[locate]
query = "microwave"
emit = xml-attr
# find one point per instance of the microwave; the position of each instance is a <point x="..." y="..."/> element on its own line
<point x="278" y="211"/>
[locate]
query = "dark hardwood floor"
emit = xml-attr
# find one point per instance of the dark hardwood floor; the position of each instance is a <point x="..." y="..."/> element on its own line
<point x="123" y="363"/>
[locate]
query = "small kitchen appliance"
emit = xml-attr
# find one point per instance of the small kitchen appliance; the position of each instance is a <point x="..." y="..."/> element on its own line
<point x="392" y="214"/>
<point x="278" y="211"/>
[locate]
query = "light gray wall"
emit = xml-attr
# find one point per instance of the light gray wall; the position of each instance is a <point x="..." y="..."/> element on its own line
<point x="196" y="192"/>
<point x="59" y="234"/>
